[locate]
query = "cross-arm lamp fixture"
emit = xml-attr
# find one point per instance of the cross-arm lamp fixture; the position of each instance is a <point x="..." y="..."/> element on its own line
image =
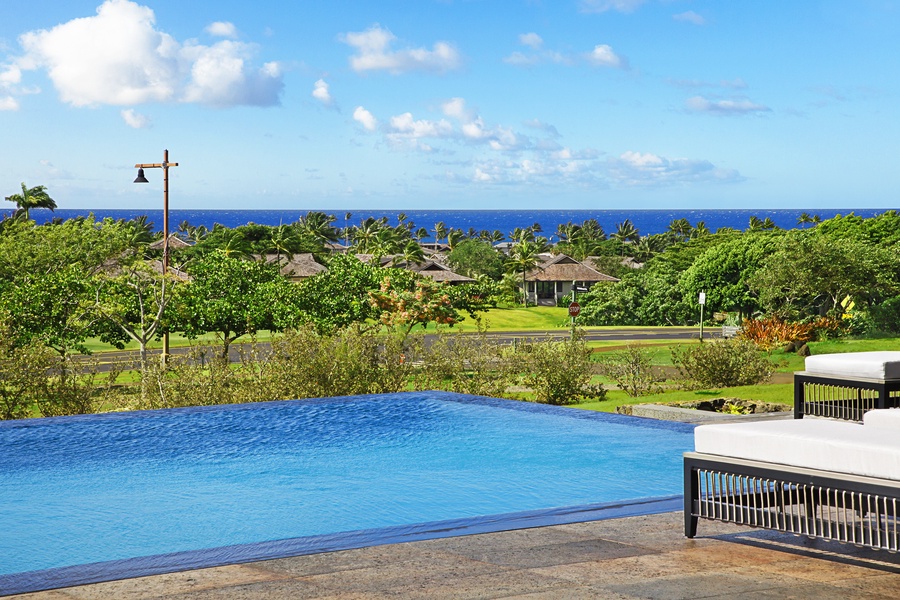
<point x="164" y="165"/>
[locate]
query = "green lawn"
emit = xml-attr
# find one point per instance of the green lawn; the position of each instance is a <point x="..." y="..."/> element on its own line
<point x="782" y="393"/>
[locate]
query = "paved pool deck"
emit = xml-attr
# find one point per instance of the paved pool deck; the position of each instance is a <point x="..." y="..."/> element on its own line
<point x="633" y="557"/>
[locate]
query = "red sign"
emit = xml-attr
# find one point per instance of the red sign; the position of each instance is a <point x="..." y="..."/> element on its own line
<point x="574" y="309"/>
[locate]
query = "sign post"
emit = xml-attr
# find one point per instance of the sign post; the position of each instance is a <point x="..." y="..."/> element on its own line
<point x="702" y="303"/>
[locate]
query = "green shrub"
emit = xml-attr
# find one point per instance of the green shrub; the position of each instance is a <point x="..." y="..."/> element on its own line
<point x="632" y="370"/>
<point x="559" y="372"/>
<point x="725" y="363"/>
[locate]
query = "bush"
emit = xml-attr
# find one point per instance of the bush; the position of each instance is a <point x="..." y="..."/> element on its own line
<point x="726" y="363"/>
<point x="559" y="372"/>
<point x="773" y="332"/>
<point x="632" y="370"/>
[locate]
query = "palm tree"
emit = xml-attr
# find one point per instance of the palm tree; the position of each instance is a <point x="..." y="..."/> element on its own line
<point x="319" y="226"/>
<point x="592" y="231"/>
<point x="700" y="230"/>
<point x="680" y="229"/>
<point x="626" y="232"/>
<point x="284" y="240"/>
<point x="36" y="197"/>
<point x="807" y="218"/>
<point x="411" y="253"/>
<point x="454" y="237"/>
<point x="523" y="257"/>
<point x="440" y="231"/>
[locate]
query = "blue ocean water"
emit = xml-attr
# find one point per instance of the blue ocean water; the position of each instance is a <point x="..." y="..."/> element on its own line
<point x="117" y="486"/>
<point x="646" y="221"/>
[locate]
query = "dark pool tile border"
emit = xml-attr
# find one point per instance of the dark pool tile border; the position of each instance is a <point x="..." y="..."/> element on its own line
<point x="48" y="579"/>
<point x="503" y="403"/>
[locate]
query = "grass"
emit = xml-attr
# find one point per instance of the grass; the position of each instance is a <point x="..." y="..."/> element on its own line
<point x="781" y="393"/>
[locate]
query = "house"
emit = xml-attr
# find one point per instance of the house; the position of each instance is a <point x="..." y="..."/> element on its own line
<point x="297" y="268"/>
<point x="557" y="275"/>
<point x="439" y="273"/>
<point x="176" y="242"/>
<point x="429" y="268"/>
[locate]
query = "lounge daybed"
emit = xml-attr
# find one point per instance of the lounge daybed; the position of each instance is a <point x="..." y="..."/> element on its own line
<point x="845" y="386"/>
<point x="817" y="477"/>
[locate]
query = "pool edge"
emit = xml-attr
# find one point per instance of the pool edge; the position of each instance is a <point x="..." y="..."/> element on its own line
<point x="63" y="577"/>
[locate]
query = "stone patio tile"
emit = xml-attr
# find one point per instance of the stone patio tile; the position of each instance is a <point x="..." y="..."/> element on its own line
<point x="51" y="595"/>
<point x="495" y="585"/>
<point x="198" y="580"/>
<point x="554" y="554"/>
<point x="816" y="569"/>
<point x="537" y="536"/>
<point x="887" y="585"/>
<point x="436" y="571"/>
<point x="348" y="560"/>
<point x="716" y="585"/>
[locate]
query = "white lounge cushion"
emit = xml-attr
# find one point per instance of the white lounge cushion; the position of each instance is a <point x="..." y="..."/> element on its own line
<point x="837" y="446"/>
<point x="882" y="417"/>
<point x="863" y="365"/>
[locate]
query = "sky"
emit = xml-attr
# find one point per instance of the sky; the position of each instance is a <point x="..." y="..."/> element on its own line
<point x="453" y="104"/>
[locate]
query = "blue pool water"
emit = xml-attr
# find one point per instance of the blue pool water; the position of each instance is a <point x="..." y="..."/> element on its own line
<point x="98" y="488"/>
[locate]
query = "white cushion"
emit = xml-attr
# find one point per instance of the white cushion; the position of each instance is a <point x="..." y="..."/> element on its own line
<point x="882" y="417"/>
<point x="837" y="446"/>
<point x="863" y="365"/>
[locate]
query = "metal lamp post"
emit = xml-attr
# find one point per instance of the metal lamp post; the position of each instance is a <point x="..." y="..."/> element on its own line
<point x="164" y="165"/>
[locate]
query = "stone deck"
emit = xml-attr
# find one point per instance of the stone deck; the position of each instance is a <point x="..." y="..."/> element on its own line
<point x="634" y="557"/>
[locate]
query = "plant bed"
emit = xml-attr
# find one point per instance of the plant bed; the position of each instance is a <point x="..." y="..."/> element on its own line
<point x="729" y="406"/>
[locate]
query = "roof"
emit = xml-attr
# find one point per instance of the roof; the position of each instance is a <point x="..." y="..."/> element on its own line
<point x="565" y="268"/>
<point x="176" y="242"/>
<point x="298" y="267"/>
<point x="439" y="272"/>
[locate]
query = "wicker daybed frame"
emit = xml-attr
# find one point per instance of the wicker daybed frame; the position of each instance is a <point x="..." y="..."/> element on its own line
<point x="821" y="504"/>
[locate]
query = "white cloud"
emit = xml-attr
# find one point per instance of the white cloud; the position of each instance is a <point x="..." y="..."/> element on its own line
<point x="118" y="57"/>
<point x="690" y="17"/>
<point x="532" y="40"/>
<point x="321" y="92"/>
<point x="603" y="56"/>
<point x="405" y="126"/>
<point x="135" y="120"/>
<point x="633" y="169"/>
<point x="522" y="60"/>
<point x="8" y="103"/>
<point x="600" y="6"/>
<point x="365" y="118"/>
<point x="740" y="106"/>
<point x="373" y="53"/>
<point x="222" y="29"/>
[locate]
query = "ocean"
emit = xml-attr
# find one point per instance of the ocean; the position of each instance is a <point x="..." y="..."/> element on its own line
<point x="646" y="221"/>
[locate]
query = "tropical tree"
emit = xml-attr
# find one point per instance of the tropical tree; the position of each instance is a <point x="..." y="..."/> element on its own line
<point x="319" y="226"/>
<point x="35" y="197"/>
<point x="283" y="240"/>
<point x="680" y="228"/>
<point x="626" y="232"/>
<point x="476" y="257"/>
<point x="440" y="231"/>
<point x="233" y="298"/>
<point x="523" y="257"/>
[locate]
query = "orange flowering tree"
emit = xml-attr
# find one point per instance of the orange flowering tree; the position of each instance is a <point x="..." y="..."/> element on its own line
<point x="403" y="309"/>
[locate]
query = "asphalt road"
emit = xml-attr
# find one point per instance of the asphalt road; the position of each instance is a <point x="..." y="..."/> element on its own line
<point x="641" y="334"/>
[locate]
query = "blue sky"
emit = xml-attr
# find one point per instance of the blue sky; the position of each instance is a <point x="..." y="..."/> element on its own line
<point x="454" y="104"/>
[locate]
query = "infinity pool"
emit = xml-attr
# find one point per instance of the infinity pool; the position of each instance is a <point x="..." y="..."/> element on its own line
<point x="183" y="488"/>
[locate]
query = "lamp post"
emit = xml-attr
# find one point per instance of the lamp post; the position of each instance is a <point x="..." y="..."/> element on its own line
<point x="164" y="165"/>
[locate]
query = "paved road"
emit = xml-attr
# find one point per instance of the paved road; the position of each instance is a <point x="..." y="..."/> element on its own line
<point x="641" y="334"/>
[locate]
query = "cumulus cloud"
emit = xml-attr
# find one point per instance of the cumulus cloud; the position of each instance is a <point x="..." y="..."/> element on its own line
<point x="321" y="92"/>
<point x="119" y="57"/>
<point x="634" y="169"/>
<point x="8" y="103"/>
<point x="600" y="6"/>
<point x="740" y="106"/>
<point x="365" y="118"/>
<point x="603" y="56"/>
<point x="222" y="29"/>
<point x="690" y="17"/>
<point x="374" y="53"/>
<point x="135" y="120"/>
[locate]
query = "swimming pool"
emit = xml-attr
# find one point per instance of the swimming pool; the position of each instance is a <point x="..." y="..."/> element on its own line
<point x="124" y="494"/>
